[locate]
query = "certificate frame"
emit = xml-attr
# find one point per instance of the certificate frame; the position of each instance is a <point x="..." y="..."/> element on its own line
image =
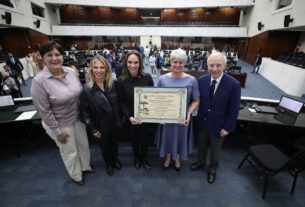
<point x="161" y="104"/>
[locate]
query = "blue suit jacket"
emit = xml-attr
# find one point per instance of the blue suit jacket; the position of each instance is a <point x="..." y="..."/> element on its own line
<point x="222" y="112"/>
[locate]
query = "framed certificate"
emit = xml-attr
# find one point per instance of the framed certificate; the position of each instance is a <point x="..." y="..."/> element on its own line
<point x="160" y="104"/>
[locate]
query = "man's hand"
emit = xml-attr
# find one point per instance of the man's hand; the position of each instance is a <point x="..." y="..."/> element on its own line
<point x="223" y="133"/>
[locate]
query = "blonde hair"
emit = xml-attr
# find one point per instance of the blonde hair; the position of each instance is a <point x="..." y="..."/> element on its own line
<point x="108" y="76"/>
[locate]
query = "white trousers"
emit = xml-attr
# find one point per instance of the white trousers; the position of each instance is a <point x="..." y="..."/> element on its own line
<point x="75" y="152"/>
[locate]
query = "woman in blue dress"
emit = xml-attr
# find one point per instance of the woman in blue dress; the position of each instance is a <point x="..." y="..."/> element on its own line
<point x="175" y="141"/>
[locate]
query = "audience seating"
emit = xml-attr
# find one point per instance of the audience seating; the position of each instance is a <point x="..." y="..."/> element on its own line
<point x="296" y="59"/>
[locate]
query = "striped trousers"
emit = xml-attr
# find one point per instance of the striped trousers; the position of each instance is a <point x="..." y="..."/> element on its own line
<point x="75" y="152"/>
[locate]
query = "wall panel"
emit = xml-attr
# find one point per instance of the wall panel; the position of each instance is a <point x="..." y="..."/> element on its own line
<point x="80" y="14"/>
<point x="21" y="41"/>
<point x="273" y="43"/>
<point x="201" y="15"/>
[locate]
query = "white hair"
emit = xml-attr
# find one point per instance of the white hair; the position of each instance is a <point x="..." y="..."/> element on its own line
<point x="216" y="54"/>
<point x="178" y="54"/>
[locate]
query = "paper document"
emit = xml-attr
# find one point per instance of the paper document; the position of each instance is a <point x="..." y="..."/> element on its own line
<point x="252" y="110"/>
<point x="26" y="115"/>
<point x="6" y="101"/>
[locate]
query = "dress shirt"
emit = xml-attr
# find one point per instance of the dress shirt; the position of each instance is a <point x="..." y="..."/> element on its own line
<point x="217" y="83"/>
<point x="57" y="100"/>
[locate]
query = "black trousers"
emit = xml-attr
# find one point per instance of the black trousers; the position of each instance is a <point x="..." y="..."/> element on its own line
<point x="109" y="146"/>
<point x="204" y="142"/>
<point x="139" y="140"/>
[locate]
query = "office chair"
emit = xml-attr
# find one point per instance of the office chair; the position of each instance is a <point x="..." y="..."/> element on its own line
<point x="269" y="161"/>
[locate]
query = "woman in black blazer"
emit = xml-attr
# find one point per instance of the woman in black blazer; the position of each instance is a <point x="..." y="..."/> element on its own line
<point x="100" y="112"/>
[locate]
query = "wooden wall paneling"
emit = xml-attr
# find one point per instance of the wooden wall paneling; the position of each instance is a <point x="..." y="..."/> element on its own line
<point x="219" y="43"/>
<point x="242" y="47"/>
<point x="274" y="44"/>
<point x="281" y="42"/>
<point x="36" y="39"/>
<point x="201" y="15"/>
<point x="68" y="41"/>
<point x="258" y="41"/>
<point x="98" y="14"/>
<point x="14" y="40"/>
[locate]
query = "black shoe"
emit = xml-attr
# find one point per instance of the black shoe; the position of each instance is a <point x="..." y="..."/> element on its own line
<point x="91" y="171"/>
<point x="165" y="167"/>
<point x="177" y="168"/>
<point x="137" y="164"/>
<point x="211" y="177"/>
<point x="109" y="170"/>
<point x="146" y="165"/>
<point x="117" y="164"/>
<point x="80" y="182"/>
<point x="196" y="166"/>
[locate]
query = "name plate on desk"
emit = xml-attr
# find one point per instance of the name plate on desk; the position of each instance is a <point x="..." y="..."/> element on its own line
<point x="160" y="104"/>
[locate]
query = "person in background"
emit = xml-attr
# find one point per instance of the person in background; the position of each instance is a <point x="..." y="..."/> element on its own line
<point x="118" y="68"/>
<point x="14" y="75"/>
<point x="31" y="65"/>
<point x="15" y="65"/>
<point x="159" y="63"/>
<point x="175" y="141"/>
<point x="71" y="65"/>
<point x="152" y="63"/>
<point x="133" y="75"/>
<point x="217" y="113"/>
<point x="38" y="61"/>
<point x="166" y="60"/>
<point x="99" y="110"/>
<point x="55" y="92"/>
<point x="146" y="53"/>
<point x="9" y="86"/>
<point x="258" y="63"/>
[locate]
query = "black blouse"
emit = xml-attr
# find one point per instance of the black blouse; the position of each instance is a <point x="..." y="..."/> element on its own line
<point x="126" y="92"/>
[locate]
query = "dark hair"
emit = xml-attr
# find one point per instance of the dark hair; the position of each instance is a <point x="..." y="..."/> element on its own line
<point x="49" y="46"/>
<point x="125" y="72"/>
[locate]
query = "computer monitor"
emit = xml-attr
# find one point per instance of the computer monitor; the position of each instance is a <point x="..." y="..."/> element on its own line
<point x="290" y="105"/>
<point x="6" y="101"/>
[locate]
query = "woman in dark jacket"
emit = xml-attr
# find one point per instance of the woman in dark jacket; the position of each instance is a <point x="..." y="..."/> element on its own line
<point x="100" y="112"/>
<point x="133" y="75"/>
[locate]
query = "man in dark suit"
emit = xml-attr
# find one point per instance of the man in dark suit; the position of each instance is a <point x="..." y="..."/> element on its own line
<point x="217" y="113"/>
<point x="15" y="65"/>
<point x="258" y="63"/>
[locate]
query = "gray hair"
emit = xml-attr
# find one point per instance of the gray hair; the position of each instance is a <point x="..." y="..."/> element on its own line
<point x="216" y="54"/>
<point x="178" y="54"/>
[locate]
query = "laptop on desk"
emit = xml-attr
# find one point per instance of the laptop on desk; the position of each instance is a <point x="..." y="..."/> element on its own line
<point x="286" y="105"/>
<point x="288" y="109"/>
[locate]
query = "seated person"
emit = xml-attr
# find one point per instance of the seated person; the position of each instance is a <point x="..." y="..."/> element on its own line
<point x="13" y="74"/>
<point x="9" y="86"/>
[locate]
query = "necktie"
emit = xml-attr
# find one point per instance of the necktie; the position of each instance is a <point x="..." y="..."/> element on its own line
<point x="13" y="61"/>
<point x="212" y="89"/>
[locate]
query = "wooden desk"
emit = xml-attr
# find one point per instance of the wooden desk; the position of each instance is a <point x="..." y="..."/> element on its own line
<point x="13" y="129"/>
